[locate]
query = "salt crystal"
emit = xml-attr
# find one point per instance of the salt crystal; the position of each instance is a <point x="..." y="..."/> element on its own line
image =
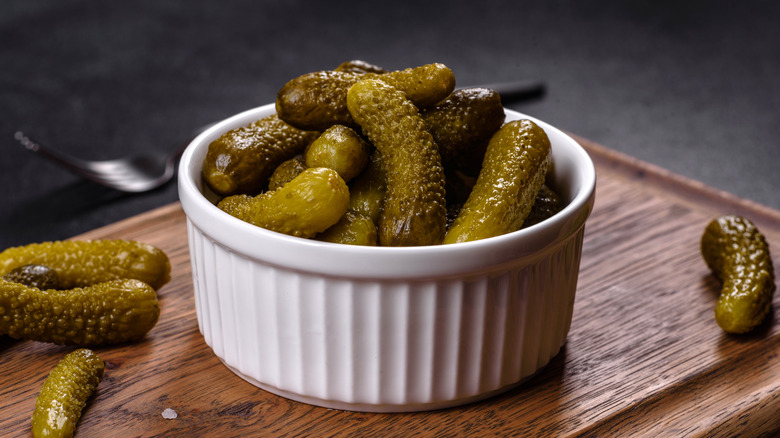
<point x="169" y="414"/>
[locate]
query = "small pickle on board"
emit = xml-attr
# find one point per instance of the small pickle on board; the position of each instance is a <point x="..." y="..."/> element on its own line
<point x="240" y="161"/>
<point x="81" y="263"/>
<point x="414" y="212"/>
<point x="309" y="204"/>
<point x="737" y="254"/>
<point x="339" y="148"/>
<point x="513" y="172"/>
<point x="318" y="100"/>
<point x="65" y="393"/>
<point x="110" y="312"/>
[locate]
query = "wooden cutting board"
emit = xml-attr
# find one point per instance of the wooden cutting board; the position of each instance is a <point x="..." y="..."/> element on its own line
<point x="644" y="356"/>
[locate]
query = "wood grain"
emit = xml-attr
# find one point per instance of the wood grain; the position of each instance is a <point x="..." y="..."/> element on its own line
<point x="644" y="356"/>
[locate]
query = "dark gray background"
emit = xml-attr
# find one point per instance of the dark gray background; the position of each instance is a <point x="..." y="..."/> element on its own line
<point x="688" y="85"/>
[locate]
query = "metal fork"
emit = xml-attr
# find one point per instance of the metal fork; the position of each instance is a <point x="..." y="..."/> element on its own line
<point x="133" y="174"/>
<point x="142" y="173"/>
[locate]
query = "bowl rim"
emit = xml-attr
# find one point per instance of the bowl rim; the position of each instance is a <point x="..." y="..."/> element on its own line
<point x="333" y="259"/>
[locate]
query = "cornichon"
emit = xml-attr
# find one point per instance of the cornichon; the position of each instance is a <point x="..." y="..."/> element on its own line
<point x="462" y="125"/>
<point x="738" y="254"/>
<point x="65" y="394"/>
<point x="309" y="204"/>
<point x="414" y="208"/>
<point x="316" y="101"/>
<point x="546" y="205"/>
<point x="286" y="172"/>
<point x="367" y="193"/>
<point x="359" y="66"/>
<point x="81" y="263"/>
<point x="241" y="160"/>
<point x="352" y="229"/>
<point x="339" y="148"/>
<point x="513" y="171"/>
<point x="104" y="313"/>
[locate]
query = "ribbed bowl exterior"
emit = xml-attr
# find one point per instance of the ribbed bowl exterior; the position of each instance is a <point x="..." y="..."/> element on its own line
<point x="383" y="345"/>
<point x="385" y="329"/>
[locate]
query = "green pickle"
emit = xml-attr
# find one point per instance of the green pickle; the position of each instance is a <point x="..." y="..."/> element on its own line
<point x="546" y="205"/>
<point x="309" y="204"/>
<point x="367" y="193"/>
<point x="286" y="172"/>
<point x="352" y="229"/>
<point x="40" y="276"/>
<point x="414" y="211"/>
<point x="242" y="160"/>
<point x="81" y="263"/>
<point x="737" y="254"/>
<point x="65" y="394"/>
<point x="513" y="172"/>
<point x="359" y="66"/>
<point x="318" y="100"/>
<point x="462" y="125"/>
<point x="110" y="312"/>
<point x="339" y="148"/>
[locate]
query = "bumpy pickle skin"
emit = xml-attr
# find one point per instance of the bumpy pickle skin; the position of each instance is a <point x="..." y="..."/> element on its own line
<point x="309" y="204"/>
<point x="367" y="193"/>
<point x="359" y="66"/>
<point x="339" y="148"/>
<point x="40" y="276"/>
<point x="352" y="229"/>
<point x="462" y="125"/>
<point x="85" y="262"/>
<point x="65" y="394"/>
<point x="546" y="205"/>
<point x="241" y="160"/>
<point x="513" y="171"/>
<point x="286" y="172"/>
<point x="105" y="313"/>
<point x="316" y="101"/>
<point x="414" y="211"/>
<point x="737" y="254"/>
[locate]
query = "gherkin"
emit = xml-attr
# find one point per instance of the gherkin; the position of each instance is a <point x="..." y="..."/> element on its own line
<point x="513" y="172"/>
<point x="414" y="211"/>
<point x="737" y="253"/>
<point x="65" y="394"/>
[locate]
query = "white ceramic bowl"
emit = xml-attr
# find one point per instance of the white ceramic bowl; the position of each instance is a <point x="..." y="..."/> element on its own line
<point x="385" y="329"/>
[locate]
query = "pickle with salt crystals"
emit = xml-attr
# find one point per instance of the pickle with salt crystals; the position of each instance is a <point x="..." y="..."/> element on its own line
<point x="81" y="263"/>
<point x="309" y="204"/>
<point x="414" y="211"/>
<point x="737" y="253"/>
<point x="110" y="312"/>
<point x="318" y="100"/>
<point x="241" y="160"/>
<point x="513" y="172"/>
<point x="65" y="393"/>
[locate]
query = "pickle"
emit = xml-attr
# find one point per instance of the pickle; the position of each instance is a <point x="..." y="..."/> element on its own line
<point x="414" y="209"/>
<point x="545" y="206"/>
<point x="104" y="313"/>
<point x="513" y="171"/>
<point x="316" y="101"/>
<point x="40" y="276"/>
<point x="309" y="204"/>
<point x="367" y="193"/>
<point x="359" y="66"/>
<point x="85" y="262"/>
<point x="738" y="255"/>
<point x="65" y="394"/>
<point x="241" y="160"/>
<point x="462" y="125"/>
<point x="352" y="229"/>
<point x="285" y="172"/>
<point x="339" y="148"/>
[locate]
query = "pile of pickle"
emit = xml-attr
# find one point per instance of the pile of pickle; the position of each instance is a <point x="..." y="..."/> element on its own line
<point x="365" y="156"/>
<point x="80" y="293"/>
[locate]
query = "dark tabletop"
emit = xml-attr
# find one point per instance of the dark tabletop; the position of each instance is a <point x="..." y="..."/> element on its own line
<point x="691" y="86"/>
